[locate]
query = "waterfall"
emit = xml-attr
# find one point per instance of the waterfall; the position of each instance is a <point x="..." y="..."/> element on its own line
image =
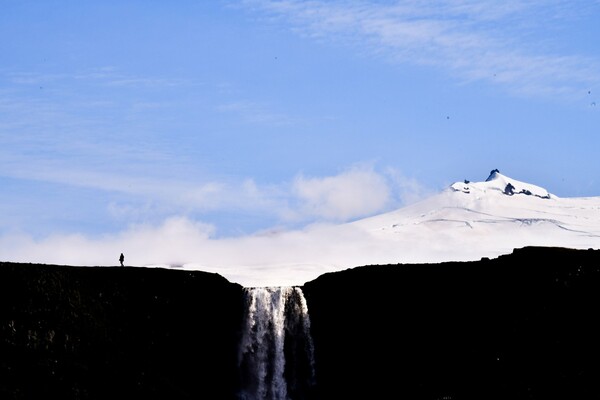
<point x="276" y="353"/>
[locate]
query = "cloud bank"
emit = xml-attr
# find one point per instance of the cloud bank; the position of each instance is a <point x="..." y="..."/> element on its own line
<point x="282" y="258"/>
<point x="353" y="193"/>
<point x="315" y="206"/>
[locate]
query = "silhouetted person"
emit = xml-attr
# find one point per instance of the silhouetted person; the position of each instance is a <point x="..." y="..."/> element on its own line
<point x="121" y="259"/>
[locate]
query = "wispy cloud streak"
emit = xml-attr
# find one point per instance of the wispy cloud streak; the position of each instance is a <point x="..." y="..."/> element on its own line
<point x="473" y="40"/>
<point x="256" y="113"/>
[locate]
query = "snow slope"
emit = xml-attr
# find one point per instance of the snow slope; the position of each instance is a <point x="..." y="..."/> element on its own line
<point x="464" y="222"/>
<point x="470" y="220"/>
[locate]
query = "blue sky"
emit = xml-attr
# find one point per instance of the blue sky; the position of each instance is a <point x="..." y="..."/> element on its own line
<point x="238" y="117"/>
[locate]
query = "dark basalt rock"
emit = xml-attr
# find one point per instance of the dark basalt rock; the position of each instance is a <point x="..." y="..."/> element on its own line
<point x="521" y="326"/>
<point x="111" y="333"/>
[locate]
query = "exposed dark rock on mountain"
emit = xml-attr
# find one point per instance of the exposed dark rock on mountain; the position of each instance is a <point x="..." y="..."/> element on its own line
<point x="522" y="326"/>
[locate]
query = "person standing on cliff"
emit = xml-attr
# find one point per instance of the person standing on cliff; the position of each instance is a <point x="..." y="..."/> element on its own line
<point x="121" y="259"/>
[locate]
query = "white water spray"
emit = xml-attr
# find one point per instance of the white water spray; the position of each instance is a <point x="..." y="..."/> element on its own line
<point x="276" y="354"/>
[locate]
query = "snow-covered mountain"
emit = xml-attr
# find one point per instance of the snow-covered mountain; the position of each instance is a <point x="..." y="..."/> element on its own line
<point x="464" y="222"/>
<point x="470" y="220"/>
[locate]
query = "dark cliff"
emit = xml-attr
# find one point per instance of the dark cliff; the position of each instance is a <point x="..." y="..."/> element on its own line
<point x="109" y="333"/>
<point x="522" y="326"/>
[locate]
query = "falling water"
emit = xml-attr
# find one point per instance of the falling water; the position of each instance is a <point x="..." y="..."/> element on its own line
<point x="276" y="353"/>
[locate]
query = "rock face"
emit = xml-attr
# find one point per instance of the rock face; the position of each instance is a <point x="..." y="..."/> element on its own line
<point x="110" y="333"/>
<point x="522" y="326"/>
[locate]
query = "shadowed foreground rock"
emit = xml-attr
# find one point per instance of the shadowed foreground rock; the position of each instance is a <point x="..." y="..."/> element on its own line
<point x="522" y="326"/>
<point x="108" y="333"/>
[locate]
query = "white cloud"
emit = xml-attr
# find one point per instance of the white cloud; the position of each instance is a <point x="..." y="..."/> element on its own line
<point x="406" y="190"/>
<point x="357" y="192"/>
<point x="291" y="257"/>
<point x="172" y="239"/>
<point x="446" y="227"/>
<point x="178" y="239"/>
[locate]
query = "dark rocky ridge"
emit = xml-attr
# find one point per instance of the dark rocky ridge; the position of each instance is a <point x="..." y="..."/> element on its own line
<point x="522" y="326"/>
